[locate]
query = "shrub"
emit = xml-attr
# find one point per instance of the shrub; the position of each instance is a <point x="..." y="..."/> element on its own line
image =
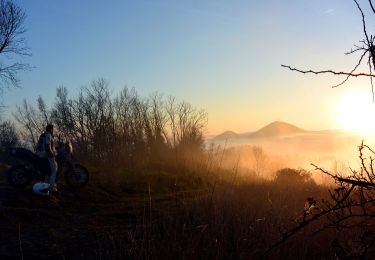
<point x="293" y="177"/>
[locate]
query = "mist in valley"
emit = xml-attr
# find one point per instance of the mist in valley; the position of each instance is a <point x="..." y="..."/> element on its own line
<point x="260" y="155"/>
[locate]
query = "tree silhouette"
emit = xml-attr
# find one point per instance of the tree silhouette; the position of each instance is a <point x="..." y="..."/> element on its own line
<point x="123" y="129"/>
<point x="12" y="43"/>
<point x="260" y="159"/>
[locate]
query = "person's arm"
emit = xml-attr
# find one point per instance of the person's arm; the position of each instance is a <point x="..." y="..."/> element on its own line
<point x="48" y="146"/>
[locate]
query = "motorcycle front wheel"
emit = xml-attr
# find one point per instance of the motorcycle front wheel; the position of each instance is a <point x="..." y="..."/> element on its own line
<point x="19" y="176"/>
<point x="77" y="176"/>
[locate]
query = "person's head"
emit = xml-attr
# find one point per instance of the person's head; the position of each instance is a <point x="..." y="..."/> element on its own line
<point x="50" y="128"/>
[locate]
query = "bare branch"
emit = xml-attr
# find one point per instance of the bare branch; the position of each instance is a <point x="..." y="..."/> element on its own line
<point x="12" y="42"/>
<point x="355" y="50"/>
<point x="363" y="20"/>
<point x="354" y="69"/>
<point x="338" y="73"/>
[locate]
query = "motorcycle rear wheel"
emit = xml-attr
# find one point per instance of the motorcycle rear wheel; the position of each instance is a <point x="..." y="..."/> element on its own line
<point x="19" y="176"/>
<point x="77" y="176"/>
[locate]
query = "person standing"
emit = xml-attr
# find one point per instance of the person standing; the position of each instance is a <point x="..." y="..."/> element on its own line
<point x="46" y="149"/>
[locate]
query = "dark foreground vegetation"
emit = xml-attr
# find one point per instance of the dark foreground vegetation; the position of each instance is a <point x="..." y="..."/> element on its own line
<point x="186" y="214"/>
<point x="157" y="216"/>
<point x="162" y="216"/>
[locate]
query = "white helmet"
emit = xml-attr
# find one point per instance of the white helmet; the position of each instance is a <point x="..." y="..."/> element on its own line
<point x="41" y="188"/>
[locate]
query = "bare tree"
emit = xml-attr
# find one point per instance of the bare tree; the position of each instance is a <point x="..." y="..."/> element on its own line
<point x="259" y="158"/>
<point x="12" y="43"/>
<point x="98" y="119"/>
<point x="44" y="114"/>
<point x="32" y="122"/>
<point x="155" y="125"/>
<point x="8" y="135"/>
<point x="126" y="130"/>
<point x="62" y="114"/>
<point x="185" y="125"/>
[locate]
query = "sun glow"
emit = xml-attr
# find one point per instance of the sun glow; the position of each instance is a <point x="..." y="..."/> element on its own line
<point x="356" y="112"/>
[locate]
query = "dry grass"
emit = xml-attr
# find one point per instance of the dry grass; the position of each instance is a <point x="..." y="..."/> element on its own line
<point x="164" y="216"/>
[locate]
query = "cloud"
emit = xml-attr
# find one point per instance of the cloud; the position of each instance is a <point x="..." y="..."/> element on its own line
<point x="329" y="11"/>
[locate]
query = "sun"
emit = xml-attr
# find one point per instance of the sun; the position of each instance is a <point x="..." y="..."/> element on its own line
<point x="356" y="112"/>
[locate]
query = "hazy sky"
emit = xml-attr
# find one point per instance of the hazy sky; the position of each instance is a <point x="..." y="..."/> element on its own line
<point x="222" y="56"/>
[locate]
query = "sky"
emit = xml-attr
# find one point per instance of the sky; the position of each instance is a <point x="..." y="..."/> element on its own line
<point x="221" y="56"/>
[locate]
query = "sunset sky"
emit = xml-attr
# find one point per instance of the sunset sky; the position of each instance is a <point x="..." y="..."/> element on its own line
<point x="222" y="56"/>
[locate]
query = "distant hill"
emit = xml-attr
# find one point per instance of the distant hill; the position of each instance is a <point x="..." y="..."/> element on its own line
<point x="278" y="128"/>
<point x="274" y="129"/>
<point x="226" y="135"/>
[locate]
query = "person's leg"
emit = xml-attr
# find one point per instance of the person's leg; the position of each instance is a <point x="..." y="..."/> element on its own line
<point x="46" y="170"/>
<point x="52" y="178"/>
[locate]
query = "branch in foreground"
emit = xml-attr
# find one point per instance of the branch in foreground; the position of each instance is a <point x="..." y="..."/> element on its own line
<point x="337" y="73"/>
<point x="306" y="222"/>
<point x="352" y="198"/>
<point x="359" y="183"/>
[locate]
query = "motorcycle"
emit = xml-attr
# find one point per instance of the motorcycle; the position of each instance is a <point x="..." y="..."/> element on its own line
<point x="29" y="167"/>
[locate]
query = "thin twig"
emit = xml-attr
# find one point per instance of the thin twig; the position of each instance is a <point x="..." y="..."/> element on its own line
<point x="372" y="85"/>
<point x="354" y="69"/>
<point x="364" y="145"/>
<point x="355" y="50"/>
<point x="363" y="20"/>
<point x="372" y="7"/>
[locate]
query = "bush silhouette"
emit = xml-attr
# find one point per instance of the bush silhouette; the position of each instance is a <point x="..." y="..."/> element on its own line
<point x="293" y="176"/>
